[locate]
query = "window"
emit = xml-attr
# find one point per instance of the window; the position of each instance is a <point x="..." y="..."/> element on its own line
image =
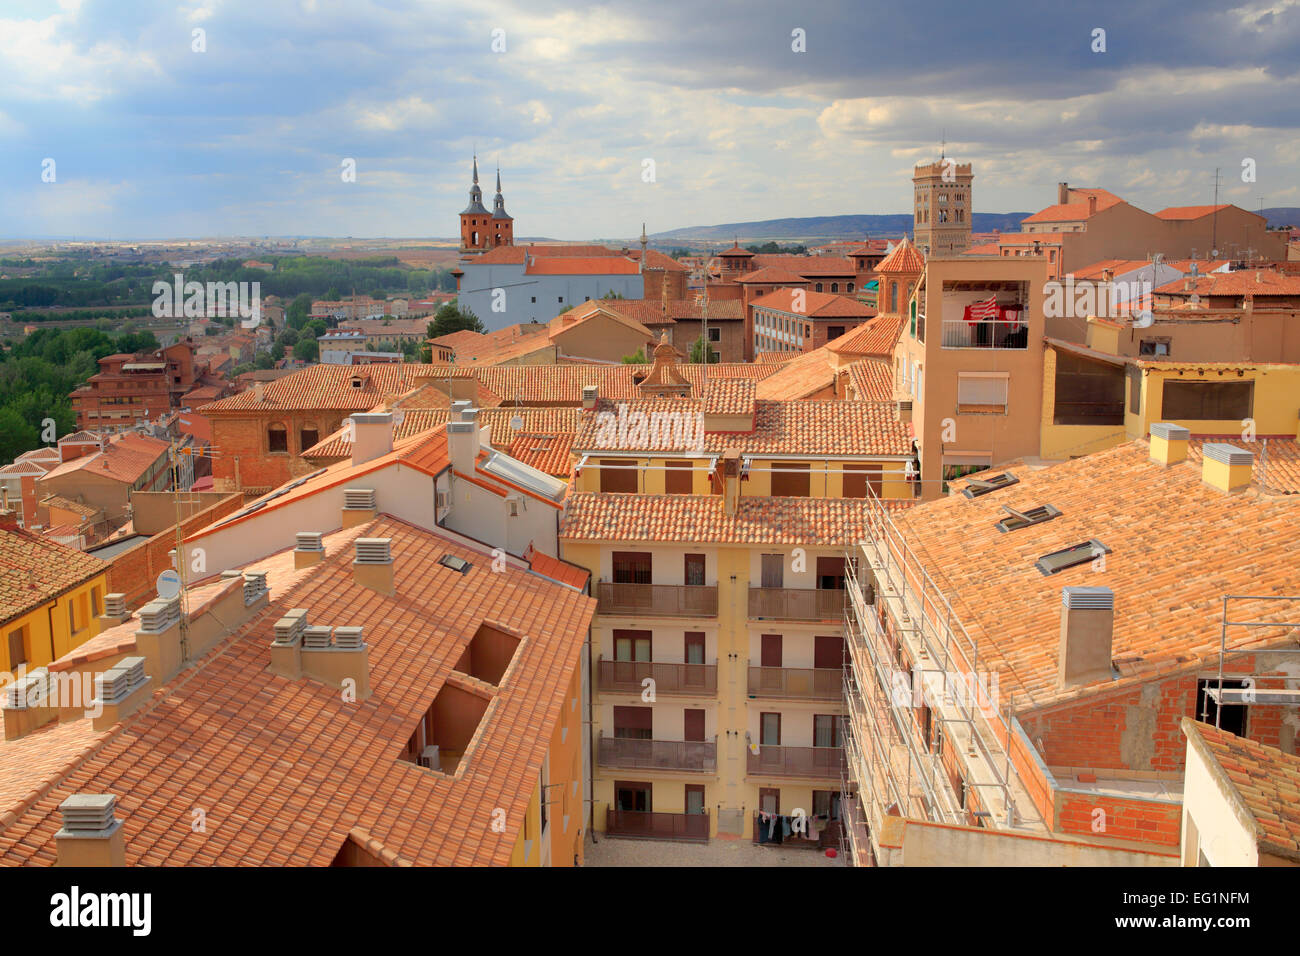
<point x="835" y="287"/>
<point x="1071" y="556"/>
<point x="829" y="652"/>
<point x="17" y="647"/>
<point x="893" y="297"/>
<point x="715" y="334"/>
<point x="981" y="393"/>
<point x="277" y="439"/>
<point x="835" y="331"/>
<point x="769" y="733"/>
<point x="1134" y="389"/>
<point x="633" y="645"/>
<point x="560" y="299"/>
<point x="678" y="478"/>
<point x="634" y="723"/>
<point x="618" y="476"/>
<point x="1157" y="348"/>
<point x="695" y="798"/>
<point x="773" y="573"/>
<point x="830" y="574"/>
<point x="533" y="299"/>
<point x="818" y="287"/>
<point x="632" y="796"/>
<point x="826" y="803"/>
<point x="694" y="649"/>
<point x="72" y="616"/>
<point x="96" y="608"/>
<point x="977" y="487"/>
<point x="694" y="570"/>
<point x="1207" y="401"/>
<point x="1023" y="519"/>
<point x="1229" y="717"/>
<point x="632" y="567"/>
<point x="826" y="730"/>
<point x="308" y="437"/>
<point x="791" y="479"/>
<point x="857" y="478"/>
<point x="692" y="724"/>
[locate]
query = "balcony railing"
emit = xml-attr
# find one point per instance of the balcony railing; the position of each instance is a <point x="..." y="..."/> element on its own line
<point x="985" y="334"/>
<point x="669" y="600"/>
<point x="796" y="604"/>
<point x="627" y="753"/>
<point x="647" y="825"/>
<point x="806" y="683"/>
<point x="686" y="679"/>
<point x="773" y="761"/>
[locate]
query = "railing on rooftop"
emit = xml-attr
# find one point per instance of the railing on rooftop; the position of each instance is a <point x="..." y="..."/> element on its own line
<point x="985" y="334"/>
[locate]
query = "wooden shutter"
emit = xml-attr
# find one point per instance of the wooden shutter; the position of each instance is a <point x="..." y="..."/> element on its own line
<point x="693" y="725"/>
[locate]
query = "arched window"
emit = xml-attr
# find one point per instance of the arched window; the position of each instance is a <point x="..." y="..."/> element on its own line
<point x="819" y="287"/>
<point x="835" y="287"/>
<point x="277" y="439"/>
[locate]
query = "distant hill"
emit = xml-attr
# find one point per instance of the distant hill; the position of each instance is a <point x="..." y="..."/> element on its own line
<point x="1279" y="216"/>
<point x="829" y="227"/>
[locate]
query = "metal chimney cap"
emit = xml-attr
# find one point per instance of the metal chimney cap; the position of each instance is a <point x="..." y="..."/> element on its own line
<point x="1169" y="431"/>
<point x="1088" y="598"/>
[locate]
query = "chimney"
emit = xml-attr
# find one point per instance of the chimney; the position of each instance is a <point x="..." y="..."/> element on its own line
<point x="590" y="394"/>
<point x="903" y="411"/>
<point x="373" y="567"/>
<point x="458" y="407"/>
<point x="8" y="518"/>
<point x="1226" y="467"/>
<point x="158" y="638"/>
<point x="730" y="465"/>
<point x="286" y="649"/>
<point x="119" y="692"/>
<point x="1087" y="626"/>
<point x="1062" y="193"/>
<point x="27" y="705"/>
<point x="91" y="834"/>
<point x="309" y="551"/>
<point x="258" y="391"/>
<point x="463" y="441"/>
<point x="1168" y="443"/>
<point x="1092" y="205"/>
<point x="372" y="436"/>
<point x="358" y="506"/>
<point x="337" y="656"/>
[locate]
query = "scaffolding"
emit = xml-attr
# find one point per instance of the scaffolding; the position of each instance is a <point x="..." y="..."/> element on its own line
<point x="898" y="770"/>
<point x="1250" y="693"/>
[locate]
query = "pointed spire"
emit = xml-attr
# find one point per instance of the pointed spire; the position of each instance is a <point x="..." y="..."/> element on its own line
<point x="476" y="168"/>
<point x="498" y="179"/>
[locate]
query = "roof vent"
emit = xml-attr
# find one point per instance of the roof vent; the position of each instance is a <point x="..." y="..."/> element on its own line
<point x="348" y="637"/>
<point x="290" y="627"/>
<point x="903" y="410"/>
<point x="1087" y="629"/>
<point x="316" y="636"/>
<point x="1088" y="598"/>
<point x="374" y="550"/>
<point x="1169" y="443"/>
<point x="159" y="615"/>
<point x="359" y="499"/>
<point x="134" y="667"/>
<point x="310" y="541"/>
<point x="254" y="586"/>
<point x="28" y="692"/>
<point x="113" y="685"/>
<point x="88" y="813"/>
<point x="590" y="393"/>
<point x="115" y="606"/>
<point x="1225" y="467"/>
<point x="1070" y="557"/>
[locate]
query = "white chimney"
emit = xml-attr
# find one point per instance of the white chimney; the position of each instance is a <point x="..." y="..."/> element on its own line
<point x="1087" y="628"/>
<point x="372" y="436"/>
<point x="463" y="441"/>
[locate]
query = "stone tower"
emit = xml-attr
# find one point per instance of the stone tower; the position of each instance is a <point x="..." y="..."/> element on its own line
<point x="942" y="210"/>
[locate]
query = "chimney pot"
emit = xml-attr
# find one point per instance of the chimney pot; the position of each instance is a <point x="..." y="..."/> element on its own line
<point x="372" y="436"/>
<point x="373" y="566"/>
<point x="590" y="394"/>
<point x="1062" y="193"/>
<point x="1087" y="629"/>
<point x="91" y="834"/>
<point x="1169" y="443"/>
<point x="1226" y="467"/>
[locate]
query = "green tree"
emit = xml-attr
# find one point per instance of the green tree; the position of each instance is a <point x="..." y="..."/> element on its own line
<point x="334" y="295"/>
<point x="287" y="337"/>
<point x="451" y="318"/>
<point x="307" y="350"/>
<point x="16" y="436"/>
<point x="636" y="358"/>
<point x="263" y="360"/>
<point x="299" y="311"/>
<point x="702" y="353"/>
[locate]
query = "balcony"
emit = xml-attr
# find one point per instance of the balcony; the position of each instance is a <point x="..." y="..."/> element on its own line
<point x="819" y="762"/>
<point x="796" y="604"/>
<point x="828" y="833"/>
<point x="627" y="753"/>
<point x="670" y="679"/>
<point x="664" y="600"/>
<point x="798" y="683"/>
<point x="646" y="825"/>
<point x="985" y="334"/>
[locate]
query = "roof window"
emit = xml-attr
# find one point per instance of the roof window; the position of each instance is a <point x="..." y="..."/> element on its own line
<point x="982" y="486"/>
<point x="1071" y="556"/>
<point x="1023" y="519"/>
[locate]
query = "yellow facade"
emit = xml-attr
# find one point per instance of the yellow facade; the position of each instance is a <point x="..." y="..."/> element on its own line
<point x="54" y="627"/>
<point x="1275" y="406"/>
<point x="826" y="476"/>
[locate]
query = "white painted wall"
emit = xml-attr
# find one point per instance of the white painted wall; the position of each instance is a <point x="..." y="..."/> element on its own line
<point x="1222" y="837"/>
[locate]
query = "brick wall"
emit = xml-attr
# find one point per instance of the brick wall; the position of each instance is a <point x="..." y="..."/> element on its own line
<point x="133" y="572"/>
<point x="244" y="460"/>
<point x="1122" y="818"/>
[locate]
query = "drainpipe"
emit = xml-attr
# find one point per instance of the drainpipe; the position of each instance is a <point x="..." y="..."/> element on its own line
<point x="49" y="617"/>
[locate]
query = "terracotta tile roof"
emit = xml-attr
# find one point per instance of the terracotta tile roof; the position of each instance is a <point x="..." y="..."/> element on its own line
<point x="1190" y="212"/>
<point x="818" y="305"/>
<point x="871" y="380"/>
<point x="547" y="452"/>
<point x="1123" y="266"/>
<point x="657" y="260"/>
<point x="556" y="569"/>
<point x="588" y="311"/>
<point x="477" y="348"/>
<point x="593" y="265"/>
<point x="774" y="358"/>
<point x="804" y="375"/>
<point x="1245" y="282"/>
<point x="876" y="337"/>
<point x="33" y="570"/>
<point x="650" y="311"/>
<point x="67" y="504"/>
<point x="1277" y="460"/>
<point x="905" y="258"/>
<point x="780" y="428"/>
<point x="1075" y="211"/>
<point x="39" y="455"/>
<point x="1029" y="238"/>
<point x="125" y="460"/>
<point x="812" y="266"/>
<point x="1262" y="782"/>
<point x="986" y="249"/>
<point x="515" y="255"/>
<point x="701" y="518"/>
<point x="729" y="396"/>
<point x="736" y="250"/>
<point x="559" y="422"/>
<point x="1177" y="546"/>
<point x="324" y="386"/>
<point x="772" y="275"/>
<point x="22" y="469"/>
<point x="291" y="770"/>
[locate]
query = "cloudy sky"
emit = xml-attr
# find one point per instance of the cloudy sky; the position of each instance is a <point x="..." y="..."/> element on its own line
<point x="152" y="139"/>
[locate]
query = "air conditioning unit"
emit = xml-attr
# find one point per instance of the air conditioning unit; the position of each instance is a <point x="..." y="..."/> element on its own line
<point x="429" y="758"/>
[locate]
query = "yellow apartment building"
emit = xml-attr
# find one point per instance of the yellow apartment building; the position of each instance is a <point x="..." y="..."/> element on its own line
<point x="717" y="560"/>
<point x="51" y="597"/>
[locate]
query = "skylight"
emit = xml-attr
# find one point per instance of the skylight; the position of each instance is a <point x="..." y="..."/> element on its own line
<point x="455" y="563"/>
<point x="525" y="476"/>
<point x="1071" y="556"/>
<point x="1023" y="519"/>
<point x="977" y="486"/>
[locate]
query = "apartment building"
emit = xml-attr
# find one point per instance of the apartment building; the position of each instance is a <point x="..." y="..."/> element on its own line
<point x="130" y="388"/>
<point x="104" y="472"/>
<point x="799" y="320"/>
<point x="712" y="527"/>
<point x="1019" y="701"/>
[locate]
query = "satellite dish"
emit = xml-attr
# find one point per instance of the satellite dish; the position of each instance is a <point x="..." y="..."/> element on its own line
<point x="169" y="584"/>
<point x="517" y="422"/>
<point x="1214" y="253"/>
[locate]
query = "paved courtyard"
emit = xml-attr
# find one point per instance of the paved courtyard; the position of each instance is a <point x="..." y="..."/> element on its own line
<point x="611" y="851"/>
